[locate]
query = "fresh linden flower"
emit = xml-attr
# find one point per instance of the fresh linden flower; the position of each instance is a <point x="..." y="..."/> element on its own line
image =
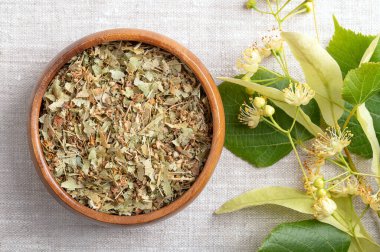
<point x="298" y="94"/>
<point x="249" y="62"/>
<point x="249" y="115"/>
<point x="264" y="52"/>
<point x="273" y="40"/>
<point x="247" y="67"/>
<point x="324" y="207"/>
<point x="331" y="142"/>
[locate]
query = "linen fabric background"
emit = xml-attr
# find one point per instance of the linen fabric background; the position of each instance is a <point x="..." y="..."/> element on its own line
<point x="33" y="32"/>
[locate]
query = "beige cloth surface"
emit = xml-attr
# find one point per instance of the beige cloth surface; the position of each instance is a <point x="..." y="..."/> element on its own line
<point x="33" y="32"/>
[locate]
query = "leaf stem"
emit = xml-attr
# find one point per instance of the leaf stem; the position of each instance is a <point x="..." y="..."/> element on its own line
<point x="294" y="120"/>
<point x="352" y="113"/>
<point x="334" y="178"/>
<point x="339" y="164"/>
<point x="349" y="158"/>
<point x="297" y="156"/>
<point x="315" y="21"/>
<point x="260" y="11"/>
<point x="333" y="186"/>
<point x="285" y="4"/>
<point x="270" y="71"/>
<point x="365" y="174"/>
<point x="363" y="213"/>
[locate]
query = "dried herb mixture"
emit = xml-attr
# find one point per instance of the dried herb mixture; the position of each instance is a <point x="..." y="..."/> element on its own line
<point x="125" y="128"/>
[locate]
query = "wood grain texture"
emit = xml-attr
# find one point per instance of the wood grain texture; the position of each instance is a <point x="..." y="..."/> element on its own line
<point x="154" y="39"/>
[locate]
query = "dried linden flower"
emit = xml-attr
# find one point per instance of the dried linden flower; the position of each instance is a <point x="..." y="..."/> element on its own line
<point x="298" y="94"/>
<point x="345" y="188"/>
<point x="125" y="128"/>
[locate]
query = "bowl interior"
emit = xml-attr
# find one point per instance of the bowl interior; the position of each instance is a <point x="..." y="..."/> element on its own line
<point x="153" y="39"/>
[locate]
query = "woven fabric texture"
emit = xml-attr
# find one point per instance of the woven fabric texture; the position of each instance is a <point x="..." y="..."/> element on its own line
<point x="33" y="32"/>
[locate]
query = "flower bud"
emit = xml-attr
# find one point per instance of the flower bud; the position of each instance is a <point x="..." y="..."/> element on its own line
<point x="250" y="4"/>
<point x="321" y="193"/>
<point x="319" y="183"/>
<point x="268" y="110"/>
<point x="259" y="102"/>
<point x="308" y="7"/>
<point x="249" y="91"/>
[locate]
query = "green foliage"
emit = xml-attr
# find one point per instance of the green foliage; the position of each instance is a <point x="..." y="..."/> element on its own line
<point x="348" y="47"/>
<point x="359" y="142"/>
<point x="282" y="196"/>
<point x="306" y="236"/>
<point x="361" y="83"/>
<point x="264" y="145"/>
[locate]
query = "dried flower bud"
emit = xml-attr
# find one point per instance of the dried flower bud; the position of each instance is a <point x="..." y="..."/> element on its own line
<point x="324" y="207"/>
<point x="268" y="110"/>
<point x="259" y="102"/>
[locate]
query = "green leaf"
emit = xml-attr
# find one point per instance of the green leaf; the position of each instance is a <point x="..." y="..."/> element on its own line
<point x="359" y="142"/>
<point x="348" y="48"/>
<point x="322" y="73"/>
<point x="262" y="146"/>
<point x="366" y="122"/>
<point x="282" y="196"/>
<point x="361" y="83"/>
<point x="306" y="236"/>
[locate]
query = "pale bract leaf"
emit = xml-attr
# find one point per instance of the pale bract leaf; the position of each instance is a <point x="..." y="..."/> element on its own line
<point x="302" y="117"/>
<point x="282" y="196"/>
<point x="270" y="92"/>
<point x="366" y="122"/>
<point x="322" y="73"/>
<point x="370" y="50"/>
<point x="277" y="97"/>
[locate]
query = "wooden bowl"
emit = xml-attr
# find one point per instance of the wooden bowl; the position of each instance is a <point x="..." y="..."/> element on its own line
<point x="154" y="39"/>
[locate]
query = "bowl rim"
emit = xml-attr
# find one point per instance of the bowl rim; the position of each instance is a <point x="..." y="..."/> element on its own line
<point x="153" y="39"/>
